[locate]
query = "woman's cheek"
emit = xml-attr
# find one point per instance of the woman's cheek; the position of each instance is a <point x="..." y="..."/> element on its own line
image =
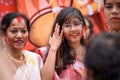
<point x="10" y="41"/>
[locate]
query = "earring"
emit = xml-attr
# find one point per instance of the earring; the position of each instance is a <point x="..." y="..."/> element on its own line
<point x="84" y="36"/>
<point x="3" y="42"/>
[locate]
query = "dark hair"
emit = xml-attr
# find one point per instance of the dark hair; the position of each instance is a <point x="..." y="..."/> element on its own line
<point x="104" y="2"/>
<point x="64" y="57"/>
<point x="7" y="19"/>
<point x="103" y="57"/>
<point x="90" y="25"/>
<point x="1" y="33"/>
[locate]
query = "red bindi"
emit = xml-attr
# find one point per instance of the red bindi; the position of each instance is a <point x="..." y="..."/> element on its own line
<point x="19" y="18"/>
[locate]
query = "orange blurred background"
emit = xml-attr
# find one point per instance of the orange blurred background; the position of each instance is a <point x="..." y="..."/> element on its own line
<point x="42" y="13"/>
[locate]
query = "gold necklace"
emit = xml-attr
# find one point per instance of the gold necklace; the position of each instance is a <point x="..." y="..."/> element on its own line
<point x="17" y="62"/>
<point x="80" y="50"/>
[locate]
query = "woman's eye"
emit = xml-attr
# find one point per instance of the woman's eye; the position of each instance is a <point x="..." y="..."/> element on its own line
<point x="13" y="31"/>
<point x="24" y="31"/>
<point x="108" y="6"/>
<point x="67" y="25"/>
<point x="76" y="24"/>
<point x="119" y="5"/>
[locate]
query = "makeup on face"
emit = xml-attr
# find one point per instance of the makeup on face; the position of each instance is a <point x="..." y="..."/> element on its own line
<point x="19" y="19"/>
<point x="73" y="30"/>
<point x="74" y="22"/>
<point x="17" y="33"/>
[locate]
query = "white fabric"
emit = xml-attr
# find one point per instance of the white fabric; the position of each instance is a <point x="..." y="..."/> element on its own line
<point x="31" y="69"/>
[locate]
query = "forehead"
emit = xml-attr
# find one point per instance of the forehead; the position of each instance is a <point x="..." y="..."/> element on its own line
<point x="72" y="19"/>
<point x="16" y="22"/>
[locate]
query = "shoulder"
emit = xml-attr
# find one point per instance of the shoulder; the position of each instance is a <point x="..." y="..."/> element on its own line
<point x="31" y="54"/>
<point x="33" y="57"/>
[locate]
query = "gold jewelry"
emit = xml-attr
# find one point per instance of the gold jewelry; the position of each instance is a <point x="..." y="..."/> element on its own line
<point x="17" y="62"/>
<point x="3" y="42"/>
<point x="80" y="50"/>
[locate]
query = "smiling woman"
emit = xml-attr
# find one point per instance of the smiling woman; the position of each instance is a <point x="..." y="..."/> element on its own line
<point x="67" y="47"/>
<point x="25" y="65"/>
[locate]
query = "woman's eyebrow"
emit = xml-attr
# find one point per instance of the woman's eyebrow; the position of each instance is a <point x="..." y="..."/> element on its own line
<point x="118" y="3"/>
<point x="108" y="3"/>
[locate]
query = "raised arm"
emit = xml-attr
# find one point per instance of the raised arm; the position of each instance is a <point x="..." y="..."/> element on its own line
<point x="48" y="70"/>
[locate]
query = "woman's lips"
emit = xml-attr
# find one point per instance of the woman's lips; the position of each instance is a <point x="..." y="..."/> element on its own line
<point x="115" y="19"/>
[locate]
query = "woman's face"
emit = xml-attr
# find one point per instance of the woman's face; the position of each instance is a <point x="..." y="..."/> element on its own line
<point x="72" y="30"/>
<point x="17" y="33"/>
<point x="112" y="14"/>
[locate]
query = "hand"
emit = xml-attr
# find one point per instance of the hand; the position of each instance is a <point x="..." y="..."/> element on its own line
<point x="56" y="40"/>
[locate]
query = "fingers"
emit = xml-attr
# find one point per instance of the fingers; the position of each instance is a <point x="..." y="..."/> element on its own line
<point x="49" y="40"/>
<point x="61" y="34"/>
<point x="56" y="34"/>
<point x="56" y="39"/>
<point x="57" y="31"/>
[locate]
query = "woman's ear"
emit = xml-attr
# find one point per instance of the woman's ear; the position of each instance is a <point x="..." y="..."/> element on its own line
<point x="86" y="32"/>
<point x="3" y="40"/>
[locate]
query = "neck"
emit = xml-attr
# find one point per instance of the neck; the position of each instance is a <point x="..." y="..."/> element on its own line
<point x="17" y="54"/>
<point x="75" y="45"/>
<point x="17" y="58"/>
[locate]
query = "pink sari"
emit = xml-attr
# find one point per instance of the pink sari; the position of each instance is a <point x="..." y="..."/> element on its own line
<point x="75" y="71"/>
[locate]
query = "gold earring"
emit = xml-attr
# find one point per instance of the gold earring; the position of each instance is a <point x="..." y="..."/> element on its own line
<point x="3" y="42"/>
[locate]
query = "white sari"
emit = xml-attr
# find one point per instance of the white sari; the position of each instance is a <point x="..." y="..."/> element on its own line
<point x="31" y="69"/>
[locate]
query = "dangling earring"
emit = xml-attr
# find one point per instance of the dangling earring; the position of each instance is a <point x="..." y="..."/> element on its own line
<point x="82" y="32"/>
<point x="84" y="35"/>
<point x="3" y="42"/>
<point x="85" y="32"/>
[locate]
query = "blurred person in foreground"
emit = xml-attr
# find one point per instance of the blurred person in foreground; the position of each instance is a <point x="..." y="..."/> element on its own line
<point x="102" y="59"/>
<point x="112" y="14"/>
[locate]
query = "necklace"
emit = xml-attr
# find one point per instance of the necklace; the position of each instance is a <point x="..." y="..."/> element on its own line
<point x="17" y="62"/>
<point x="80" y="50"/>
<point x="22" y="69"/>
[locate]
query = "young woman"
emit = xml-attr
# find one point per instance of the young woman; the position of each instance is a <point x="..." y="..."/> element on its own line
<point x="25" y="65"/>
<point x="67" y="47"/>
<point x="112" y="14"/>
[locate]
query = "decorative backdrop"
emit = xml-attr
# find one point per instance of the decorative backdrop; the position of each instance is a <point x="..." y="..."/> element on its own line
<point x="42" y="13"/>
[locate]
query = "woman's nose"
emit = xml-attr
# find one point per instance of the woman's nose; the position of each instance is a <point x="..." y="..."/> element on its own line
<point x="73" y="27"/>
<point x="115" y="10"/>
<point x="19" y="34"/>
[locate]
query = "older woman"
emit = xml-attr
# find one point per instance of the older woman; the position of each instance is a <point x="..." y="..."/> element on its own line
<point x="25" y="65"/>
